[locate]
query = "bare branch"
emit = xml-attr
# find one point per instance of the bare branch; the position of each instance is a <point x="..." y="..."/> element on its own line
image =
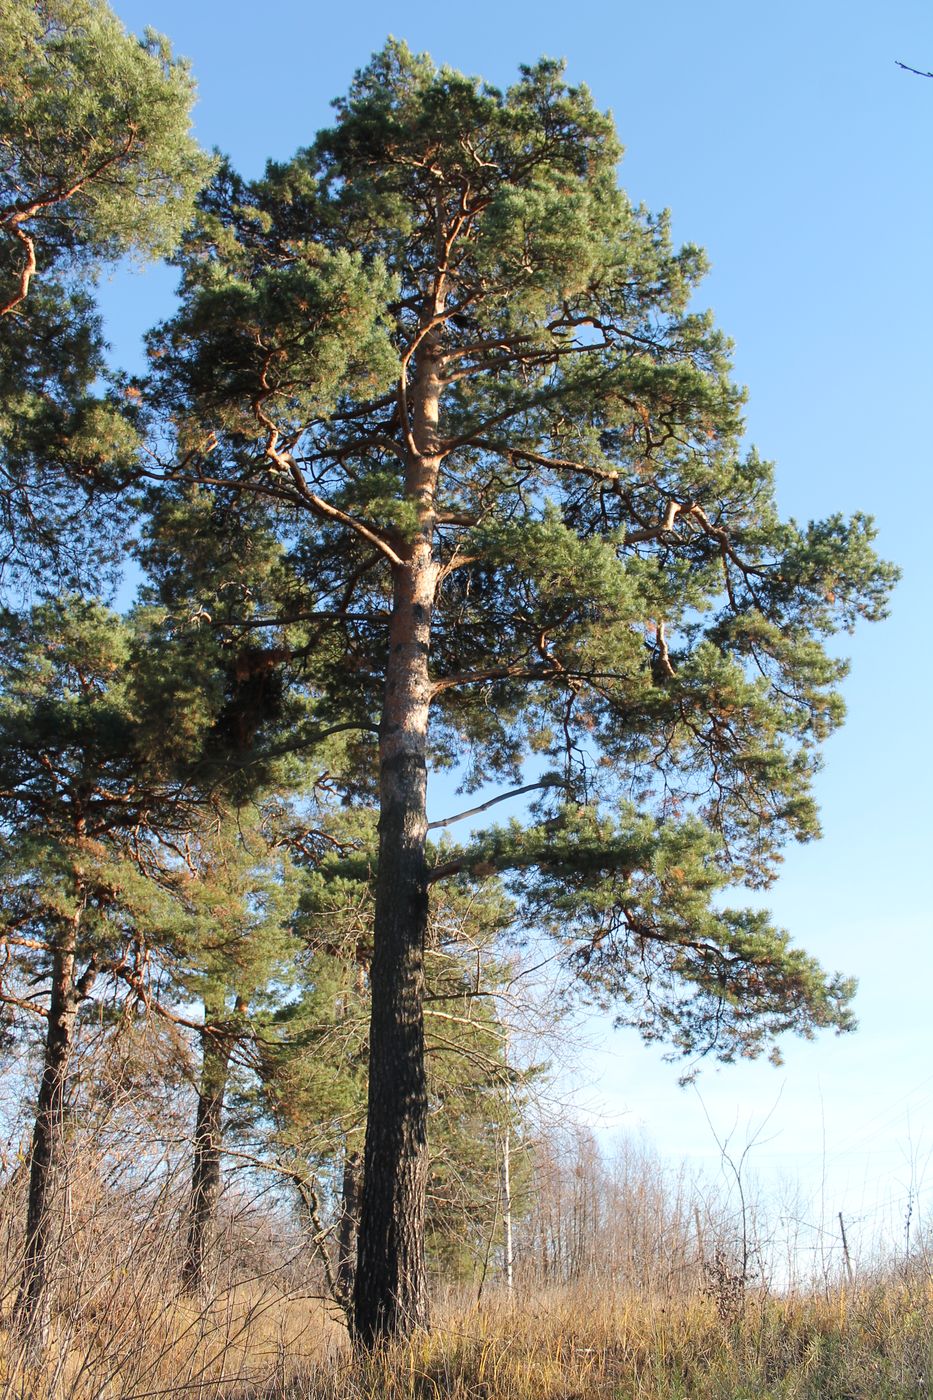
<point x="503" y="797"/>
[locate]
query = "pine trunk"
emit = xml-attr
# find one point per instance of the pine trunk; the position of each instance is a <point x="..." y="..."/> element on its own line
<point x="208" y="1140"/>
<point x="390" y="1291"/>
<point x="48" y="1142"/>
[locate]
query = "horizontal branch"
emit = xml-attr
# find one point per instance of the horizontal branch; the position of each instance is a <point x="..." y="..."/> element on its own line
<point x="305" y="740"/>
<point x="539" y="459"/>
<point x="518" y="671"/>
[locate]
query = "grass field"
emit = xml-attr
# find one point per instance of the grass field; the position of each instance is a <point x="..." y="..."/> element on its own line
<point x="567" y="1344"/>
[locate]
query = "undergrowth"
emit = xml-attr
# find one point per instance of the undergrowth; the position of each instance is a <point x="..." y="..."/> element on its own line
<point x="869" y="1343"/>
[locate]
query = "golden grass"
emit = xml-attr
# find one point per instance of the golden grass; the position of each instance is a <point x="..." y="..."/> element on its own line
<point x="874" y="1343"/>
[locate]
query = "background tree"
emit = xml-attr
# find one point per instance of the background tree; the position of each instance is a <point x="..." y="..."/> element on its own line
<point x="87" y="886"/>
<point x="458" y="375"/>
<point x="127" y="867"/>
<point x="239" y="966"/>
<point x="96" y="161"/>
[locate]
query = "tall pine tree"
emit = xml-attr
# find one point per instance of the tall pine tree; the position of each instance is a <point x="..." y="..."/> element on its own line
<point x="443" y="359"/>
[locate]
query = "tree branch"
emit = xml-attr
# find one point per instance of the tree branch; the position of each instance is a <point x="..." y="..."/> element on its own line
<point x="518" y="671"/>
<point x="26" y="275"/>
<point x="286" y="463"/>
<point x="503" y="797"/>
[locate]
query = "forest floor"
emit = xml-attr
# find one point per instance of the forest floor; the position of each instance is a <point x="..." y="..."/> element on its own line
<point x="870" y="1342"/>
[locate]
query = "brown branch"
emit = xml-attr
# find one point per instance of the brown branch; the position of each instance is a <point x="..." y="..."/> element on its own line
<point x="14" y="214"/>
<point x="311" y="1204"/>
<point x="8" y="999"/>
<point x="292" y="618"/>
<point x="538" y="459"/>
<point x="664" y="654"/>
<point x="359" y="445"/>
<point x="287" y="464"/>
<point x="454" y="517"/>
<point x="653" y="532"/>
<point x="26" y="275"/>
<point x="519" y="671"/>
<point x="9" y="940"/>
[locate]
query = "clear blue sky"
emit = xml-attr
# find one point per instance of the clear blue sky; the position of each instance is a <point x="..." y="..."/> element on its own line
<point x="786" y="141"/>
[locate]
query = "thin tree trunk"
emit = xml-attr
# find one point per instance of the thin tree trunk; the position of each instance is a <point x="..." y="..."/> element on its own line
<point x="390" y="1291"/>
<point x="349" y="1221"/>
<point x="208" y="1140"/>
<point x="48" y="1137"/>
<point x="506" y="1213"/>
<point x="507" y="1178"/>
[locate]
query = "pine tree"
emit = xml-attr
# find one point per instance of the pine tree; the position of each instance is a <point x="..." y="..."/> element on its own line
<point x="126" y="868"/>
<point x="87" y="889"/>
<point x="239" y="964"/>
<point x="457" y="374"/>
<point x="96" y="161"/>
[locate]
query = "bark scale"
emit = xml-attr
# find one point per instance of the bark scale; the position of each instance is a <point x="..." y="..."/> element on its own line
<point x="208" y="1140"/>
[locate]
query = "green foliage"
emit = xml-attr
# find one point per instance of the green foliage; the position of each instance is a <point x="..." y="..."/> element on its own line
<point x="66" y="449"/>
<point x="619" y="595"/>
<point x="96" y="161"/>
<point x="84" y="854"/>
<point x="635" y="906"/>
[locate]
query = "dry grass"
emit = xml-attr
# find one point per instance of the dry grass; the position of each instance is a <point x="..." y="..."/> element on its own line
<point x="253" y="1339"/>
<point x="257" y="1343"/>
<point x="573" y="1346"/>
<point x="687" y="1325"/>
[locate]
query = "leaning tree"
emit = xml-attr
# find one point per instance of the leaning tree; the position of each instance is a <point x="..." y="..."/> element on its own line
<point x="448" y="365"/>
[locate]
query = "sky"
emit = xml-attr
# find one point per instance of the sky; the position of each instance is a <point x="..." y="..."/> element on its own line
<point x="786" y="141"/>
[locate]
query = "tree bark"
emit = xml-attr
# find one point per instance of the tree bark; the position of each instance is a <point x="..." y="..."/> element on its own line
<point x="349" y="1221"/>
<point x="208" y="1140"/>
<point x="48" y="1138"/>
<point x="390" y="1291"/>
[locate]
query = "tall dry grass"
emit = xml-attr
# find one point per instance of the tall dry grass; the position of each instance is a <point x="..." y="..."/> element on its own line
<point x="634" y="1282"/>
<point x="567" y="1343"/>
